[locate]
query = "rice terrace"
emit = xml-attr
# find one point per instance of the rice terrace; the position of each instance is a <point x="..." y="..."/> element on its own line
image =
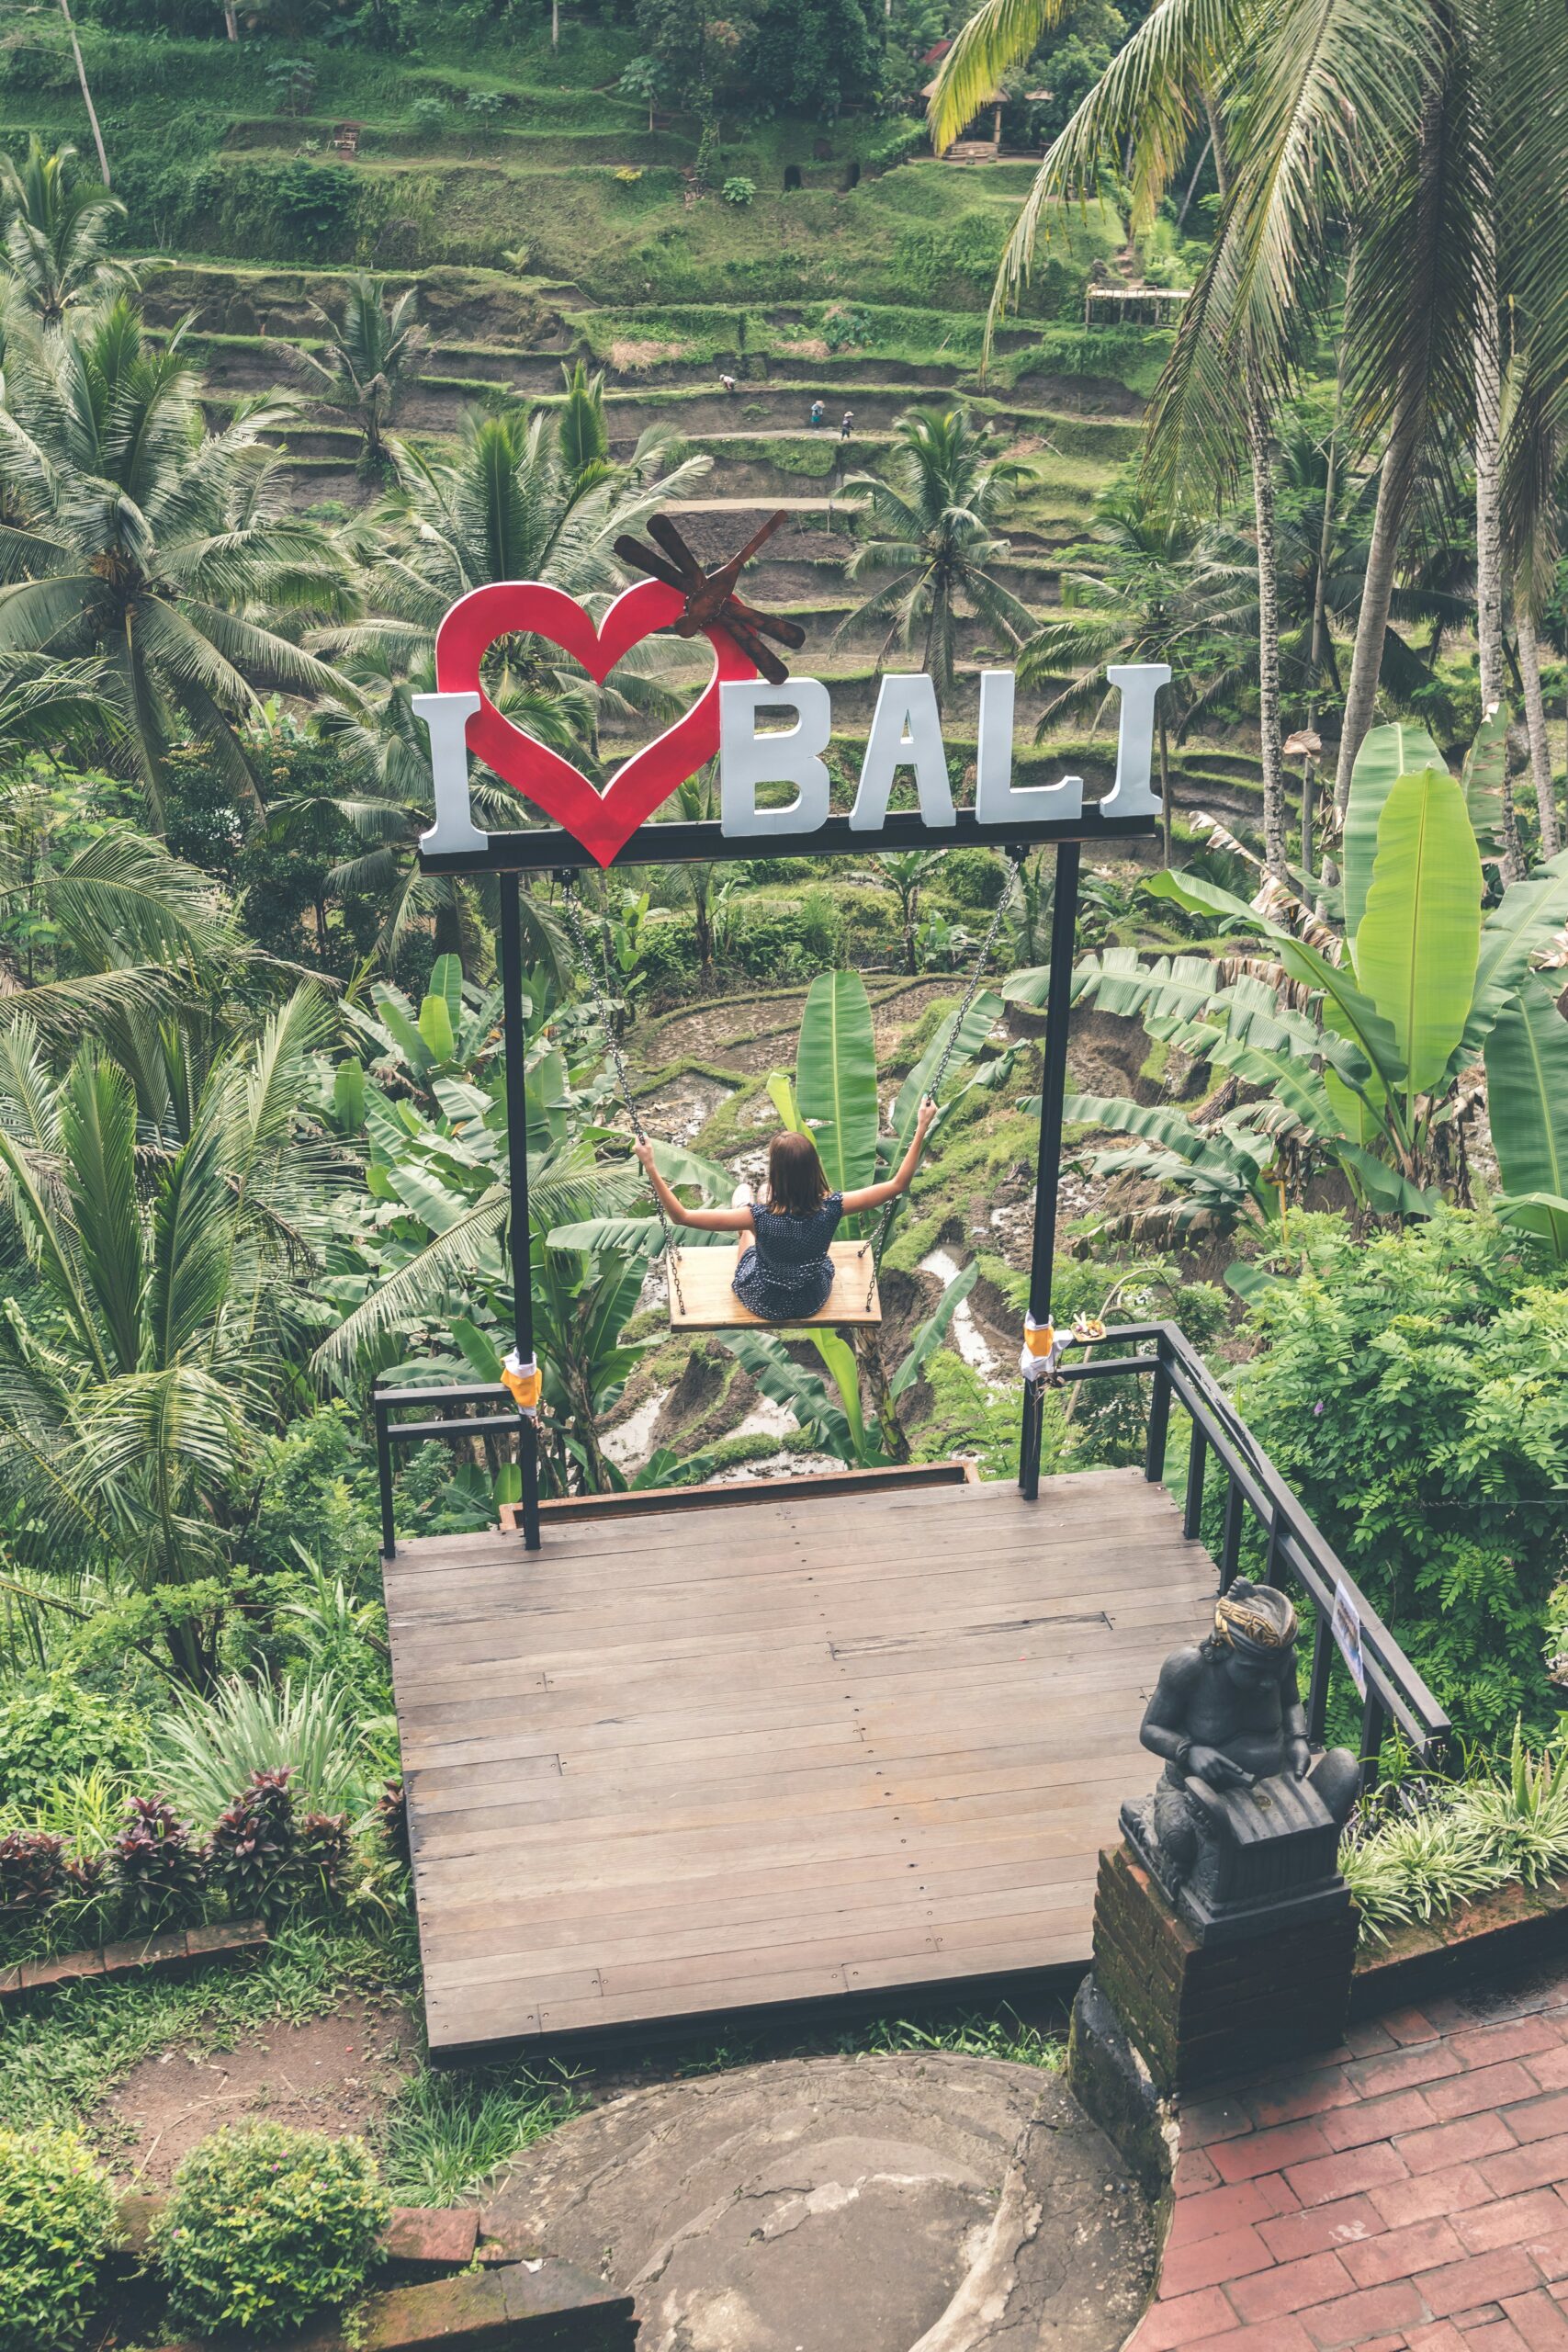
<point x="783" y="1176"/>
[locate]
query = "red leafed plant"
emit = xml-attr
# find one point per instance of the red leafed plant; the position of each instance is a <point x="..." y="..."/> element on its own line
<point x="155" y="1863"/>
<point x="255" y="1843"/>
<point x="33" y="1870"/>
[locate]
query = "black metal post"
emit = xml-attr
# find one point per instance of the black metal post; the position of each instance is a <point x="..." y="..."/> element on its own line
<point x="1048" y="1160"/>
<point x="1374" y="1724"/>
<point x="1158" y="1430"/>
<point x="383" y="1477"/>
<point x="1197" y="1455"/>
<point x="1317" y="1698"/>
<point x="1230" y="1541"/>
<point x="515" y="1044"/>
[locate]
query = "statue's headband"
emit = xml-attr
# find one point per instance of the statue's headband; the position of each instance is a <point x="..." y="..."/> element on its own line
<point x="1254" y="1621"/>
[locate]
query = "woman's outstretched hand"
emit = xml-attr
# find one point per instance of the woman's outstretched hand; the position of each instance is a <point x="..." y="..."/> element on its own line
<point x="644" y="1151"/>
<point x="923" y="1118"/>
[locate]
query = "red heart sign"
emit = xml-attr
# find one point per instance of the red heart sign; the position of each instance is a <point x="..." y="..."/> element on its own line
<point x="603" y="821"/>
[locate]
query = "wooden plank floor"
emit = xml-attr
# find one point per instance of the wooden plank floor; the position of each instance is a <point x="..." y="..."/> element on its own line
<point x="700" y="1761"/>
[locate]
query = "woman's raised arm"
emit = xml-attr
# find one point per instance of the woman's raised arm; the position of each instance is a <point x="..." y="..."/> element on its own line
<point x="871" y="1196"/>
<point x="702" y="1220"/>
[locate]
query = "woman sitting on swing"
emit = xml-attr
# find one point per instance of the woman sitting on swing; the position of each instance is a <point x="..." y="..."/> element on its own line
<point x="786" y="1274"/>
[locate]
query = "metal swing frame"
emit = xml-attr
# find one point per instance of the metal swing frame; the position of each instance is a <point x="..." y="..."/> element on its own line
<point x="507" y="856"/>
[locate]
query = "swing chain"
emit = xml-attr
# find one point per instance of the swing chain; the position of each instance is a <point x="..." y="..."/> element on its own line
<point x="606" y="1022"/>
<point x="982" y="964"/>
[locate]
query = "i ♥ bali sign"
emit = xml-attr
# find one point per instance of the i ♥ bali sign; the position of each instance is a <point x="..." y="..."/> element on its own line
<point x="603" y="821"/>
<point x="735" y="717"/>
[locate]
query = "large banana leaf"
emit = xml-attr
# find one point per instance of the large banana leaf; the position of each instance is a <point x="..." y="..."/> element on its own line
<point x="1345" y="1011"/>
<point x="1515" y="929"/>
<point x="638" y="1236"/>
<point x="836" y="1078"/>
<point x="1201" y="898"/>
<point x="978" y="1023"/>
<point x="1527" y="1098"/>
<point x="1420" y="930"/>
<point x="1386" y="754"/>
<point x="840" y="1359"/>
<point x="1485" y="767"/>
<point x="782" y="1379"/>
<point x="1121" y="1116"/>
<point x="933" y="1330"/>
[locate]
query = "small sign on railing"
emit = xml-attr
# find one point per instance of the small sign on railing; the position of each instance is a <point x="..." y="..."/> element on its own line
<point x="1346" y="1632"/>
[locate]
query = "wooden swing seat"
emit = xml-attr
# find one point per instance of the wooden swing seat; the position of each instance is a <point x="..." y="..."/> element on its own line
<point x="702" y="1297"/>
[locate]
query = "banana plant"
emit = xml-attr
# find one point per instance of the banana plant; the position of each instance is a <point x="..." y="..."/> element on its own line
<point x="834" y="1412"/>
<point x="1220" y="1173"/>
<point x="1526" y="1088"/>
<point x="1362" y="1050"/>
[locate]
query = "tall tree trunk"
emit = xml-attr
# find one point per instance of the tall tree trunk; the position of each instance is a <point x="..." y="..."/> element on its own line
<point x="1402" y="453"/>
<point x="1488" y="471"/>
<point x="87" y="94"/>
<point x="1535" y="719"/>
<point x="1488" y="363"/>
<point x="555" y="24"/>
<point x="1192" y="183"/>
<point x="1259" y="441"/>
<point x="231" y="21"/>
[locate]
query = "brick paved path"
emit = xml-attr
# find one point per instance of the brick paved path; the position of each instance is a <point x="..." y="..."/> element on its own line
<point x="1408" y="2193"/>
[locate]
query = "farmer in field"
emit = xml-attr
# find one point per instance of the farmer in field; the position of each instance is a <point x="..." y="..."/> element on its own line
<point x="818" y="413"/>
<point x="785" y="1272"/>
<point x="848" y="425"/>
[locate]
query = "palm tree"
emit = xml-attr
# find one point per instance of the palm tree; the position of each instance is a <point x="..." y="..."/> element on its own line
<point x="372" y="351"/>
<point x="151" y="1326"/>
<point x="135" y="535"/>
<point x="929" y="530"/>
<point x="906" y="873"/>
<point x="57" y="230"/>
<point x="102" y="931"/>
<point x="1414" y="128"/>
<point x="510" y="504"/>
<point x="383" y="794"/>
<point x="1151" y="595"/>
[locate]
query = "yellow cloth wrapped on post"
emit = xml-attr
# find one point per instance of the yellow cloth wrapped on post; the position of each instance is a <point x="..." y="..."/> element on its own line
<point x="524" y="1382"/>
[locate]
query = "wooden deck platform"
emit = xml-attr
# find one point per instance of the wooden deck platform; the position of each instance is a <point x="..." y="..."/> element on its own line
<point x="774" y="1751"/>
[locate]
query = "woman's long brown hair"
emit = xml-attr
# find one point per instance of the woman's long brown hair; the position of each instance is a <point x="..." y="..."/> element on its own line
<point x="795" y="1181"/>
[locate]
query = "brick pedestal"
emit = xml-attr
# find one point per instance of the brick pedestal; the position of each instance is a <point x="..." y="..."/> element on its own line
<point x="1200" y="2012"/>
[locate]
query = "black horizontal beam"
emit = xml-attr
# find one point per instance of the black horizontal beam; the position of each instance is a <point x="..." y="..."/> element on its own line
<point x="464" y="1392"/>
<point x="405" y="1433"/>
<point x="538" y="848"/>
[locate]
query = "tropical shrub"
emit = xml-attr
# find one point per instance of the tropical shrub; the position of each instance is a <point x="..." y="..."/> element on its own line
<point x="428" y="112"/>
<point x="155" y="1865"/>
<point x="206" y="1749"/>
<point x="265" y="2226"/>
<point x="738" y="190"/>
<point x="1362" y="1054"/>
<point x="32" y="1871"/>
<point x="253" y="1846"/>
<point x="1413" y="1389"/>
<point x="1427" y="1851"/>
<point x="59" y="1731"/>
<point x="56" y="2223"/>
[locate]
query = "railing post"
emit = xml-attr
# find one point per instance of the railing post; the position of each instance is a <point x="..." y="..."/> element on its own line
<point x="515" y="1047"/>
<point x="384" y="1476"/>
<point x="1048" y="1154"/>
<point x="1230" y="1541"/>
<point x="1159" y="1421"/>
<point x="1317" y="1690"/>
<point x="1271" y="1557"/>
<point x="1374" y="1724"/>
<point x="1197" y="1456"/>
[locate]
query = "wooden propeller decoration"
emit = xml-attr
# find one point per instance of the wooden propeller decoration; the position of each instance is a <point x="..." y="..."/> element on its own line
<point x="711" y="601"/>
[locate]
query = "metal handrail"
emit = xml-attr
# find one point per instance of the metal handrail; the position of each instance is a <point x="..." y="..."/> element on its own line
<point x="385" y="1402"/>
<point x="1394" y="1689"/>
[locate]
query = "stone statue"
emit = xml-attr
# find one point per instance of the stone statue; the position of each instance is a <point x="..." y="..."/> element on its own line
<point x="1243" y="1830"/>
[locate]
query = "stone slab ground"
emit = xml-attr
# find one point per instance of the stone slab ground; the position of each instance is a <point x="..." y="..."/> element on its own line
<point x="1408" y="2193"/>
<point x="865" y="2204"/>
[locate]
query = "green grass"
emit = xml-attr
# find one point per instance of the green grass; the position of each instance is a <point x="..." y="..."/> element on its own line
<point x="65" y="2053"/>
<point x="976" y="2034"/>
<point x="449" y="2133"/>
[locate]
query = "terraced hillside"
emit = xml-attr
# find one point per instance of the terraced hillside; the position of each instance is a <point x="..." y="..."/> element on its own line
<point x="543" y="218"/>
